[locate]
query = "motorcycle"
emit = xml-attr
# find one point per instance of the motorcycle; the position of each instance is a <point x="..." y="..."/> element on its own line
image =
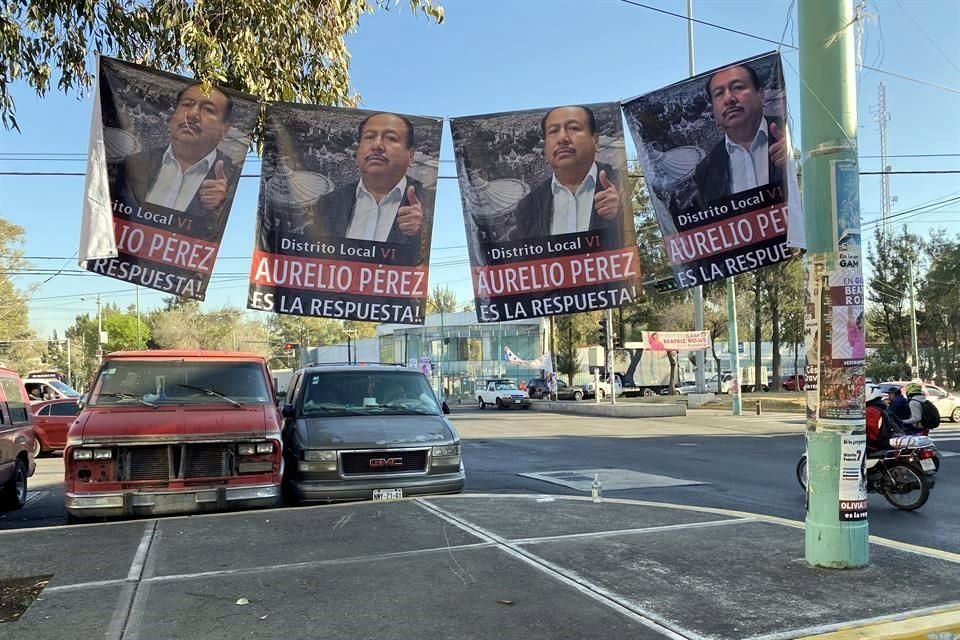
<point x="904" y="476"/>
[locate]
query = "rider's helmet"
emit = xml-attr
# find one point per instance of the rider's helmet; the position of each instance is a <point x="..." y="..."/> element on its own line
<point x="874" y="395"/>
<point x="913" y="389"/>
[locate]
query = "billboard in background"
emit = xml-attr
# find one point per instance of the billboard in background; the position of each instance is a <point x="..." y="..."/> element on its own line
<point x="719" y="170"/>
<point x="165" y="159"/>
<point x="345" y="214"/>
<point x="547" y="209"/>
<point x="673" y="341"/>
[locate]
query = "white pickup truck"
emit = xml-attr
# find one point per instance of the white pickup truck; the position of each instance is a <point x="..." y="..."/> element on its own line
<point x="502" y="393"/>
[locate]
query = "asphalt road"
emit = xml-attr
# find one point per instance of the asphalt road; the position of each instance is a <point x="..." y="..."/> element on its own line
<point x="745" y="463"/>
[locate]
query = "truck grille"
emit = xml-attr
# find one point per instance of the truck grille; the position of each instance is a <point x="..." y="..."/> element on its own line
<point x="147" y="463"/>
<point x="359" y="463"/>
<point x="177" y="461"/>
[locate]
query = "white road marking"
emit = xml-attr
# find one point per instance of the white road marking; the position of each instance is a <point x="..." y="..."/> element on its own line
<point x="36" y="495"/>
<point x="570" y="578"/>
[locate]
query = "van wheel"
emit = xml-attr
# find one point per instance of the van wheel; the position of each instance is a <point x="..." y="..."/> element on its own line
<point x="13" y="495"/>
<point x="37" y="447"/>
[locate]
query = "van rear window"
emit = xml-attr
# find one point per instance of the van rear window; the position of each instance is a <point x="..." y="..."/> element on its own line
<point x="15" y="404"/>
<point x="180" y="382"/>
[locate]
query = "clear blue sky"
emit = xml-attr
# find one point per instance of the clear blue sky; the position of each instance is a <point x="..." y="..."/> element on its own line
<point x="503" y="55"/>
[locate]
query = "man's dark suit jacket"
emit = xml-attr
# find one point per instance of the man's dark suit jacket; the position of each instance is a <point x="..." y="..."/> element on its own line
<point x="712" y="175"/>
<point x="138" y="171"/>
<point x="333" y="214"/>
<point x="534" y="213"/>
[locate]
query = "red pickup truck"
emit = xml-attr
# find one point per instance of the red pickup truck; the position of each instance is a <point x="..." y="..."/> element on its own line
<point x="165" y="432"/>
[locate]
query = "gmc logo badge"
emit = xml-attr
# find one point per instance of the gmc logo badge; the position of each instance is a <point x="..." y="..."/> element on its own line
<point x="380" y="463"/>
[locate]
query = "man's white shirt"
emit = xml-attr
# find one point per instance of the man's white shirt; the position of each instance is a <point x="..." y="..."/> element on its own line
<point x="175" y="188"/>
<point x="572" y="211"/>
<point x="373" y="220"/>
<point x="749" y="169"/>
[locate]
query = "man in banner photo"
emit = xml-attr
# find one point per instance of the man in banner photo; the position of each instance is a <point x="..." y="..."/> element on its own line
<point x="346" y="214"/>
<point x="384" y="204"/>
<point x="719" y="170"/>
<point x="546" y="204"/>
<point x="753" y="151"/>
<point x="190" y="173"/>
<point x="173" y="154"/>
<point x="580" y="194"/>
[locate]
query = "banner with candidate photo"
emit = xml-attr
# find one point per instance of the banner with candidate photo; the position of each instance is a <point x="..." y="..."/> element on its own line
<point x="719" y="170"/>
<point x="165" y="158"/>
<point x="547" y="208"/>
<point x="345" y="214"/>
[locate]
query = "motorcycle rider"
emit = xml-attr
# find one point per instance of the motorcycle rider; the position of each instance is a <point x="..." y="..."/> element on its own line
<point x="880" y="425"/>
<point x="898" y="403"/>
<point x="915" y="397"/>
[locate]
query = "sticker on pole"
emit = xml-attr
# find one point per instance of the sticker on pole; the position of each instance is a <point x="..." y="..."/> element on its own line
<point x="853" y="485"/>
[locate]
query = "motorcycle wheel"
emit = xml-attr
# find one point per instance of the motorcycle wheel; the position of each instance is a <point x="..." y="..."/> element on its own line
<point x="904" y="486"/>
<point x="802" y="471"/>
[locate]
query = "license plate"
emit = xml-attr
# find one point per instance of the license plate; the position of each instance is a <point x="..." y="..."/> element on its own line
<point x="927" y="464"/>
<point x="387" y="494"/>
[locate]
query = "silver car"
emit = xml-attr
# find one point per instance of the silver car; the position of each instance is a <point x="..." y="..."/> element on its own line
<point x="355" y="432"/>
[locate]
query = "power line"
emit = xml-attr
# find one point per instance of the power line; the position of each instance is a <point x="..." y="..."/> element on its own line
<point x="781" y="44"/>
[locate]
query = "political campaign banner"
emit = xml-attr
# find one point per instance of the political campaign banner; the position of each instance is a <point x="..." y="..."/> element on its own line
<point x="547" y="209"/>
<point x="719" y="170"/>
<point x="165" y="157"/>
<point x="345" y="214"/>
<point x="674" y="340"/>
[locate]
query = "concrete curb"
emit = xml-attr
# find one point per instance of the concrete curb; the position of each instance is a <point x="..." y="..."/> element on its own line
<point x="626" y="410"/>
<point x="942" y="625"/>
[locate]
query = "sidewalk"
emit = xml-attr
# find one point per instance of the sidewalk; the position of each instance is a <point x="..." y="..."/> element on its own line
<point x="468" y="566"/>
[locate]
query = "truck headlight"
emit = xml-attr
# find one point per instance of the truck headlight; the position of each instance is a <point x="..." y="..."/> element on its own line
<point x="264" y="447"/>
<point x="320" y="455"/>
<point x="446" y="451"/>
<point x="102" y="454"/>
<point x="246" y="449"/>
<point x="82" y="454"/>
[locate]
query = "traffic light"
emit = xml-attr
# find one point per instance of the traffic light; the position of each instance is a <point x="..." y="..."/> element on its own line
<point x="666" y="284"/>
<point x="617" y="344"/>
<point x="603" y="331"/>
<point x="290" y="346"/>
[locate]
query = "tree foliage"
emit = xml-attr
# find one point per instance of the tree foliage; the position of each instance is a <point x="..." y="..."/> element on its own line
<point x="280" y="50"/>
<point x="14" y="314"/>
<point x="442" y="299"/>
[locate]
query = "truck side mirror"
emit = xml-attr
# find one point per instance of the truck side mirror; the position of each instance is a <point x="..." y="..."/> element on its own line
<point x="82" y="401"/>
<point x="288" y="411"/>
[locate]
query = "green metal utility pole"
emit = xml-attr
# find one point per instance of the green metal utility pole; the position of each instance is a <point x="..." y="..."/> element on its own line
<point x="834" y="538"/>
<point x="733" y="346"/>
<point x="914" y="349"/>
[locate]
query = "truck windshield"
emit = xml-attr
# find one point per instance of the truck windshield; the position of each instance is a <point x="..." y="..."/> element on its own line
<point x="159" y="382"/>
<point x="368" y="392"/>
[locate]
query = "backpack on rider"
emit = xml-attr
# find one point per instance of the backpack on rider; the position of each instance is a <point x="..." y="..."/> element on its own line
<point x="929" y="414"/>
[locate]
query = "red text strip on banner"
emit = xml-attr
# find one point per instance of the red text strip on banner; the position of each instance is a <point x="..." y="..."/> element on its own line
<point x="726" y="235"/>
<point x="164" y="247"/>
<point x="556" y="273"/>
<point x="312" y="274"/>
